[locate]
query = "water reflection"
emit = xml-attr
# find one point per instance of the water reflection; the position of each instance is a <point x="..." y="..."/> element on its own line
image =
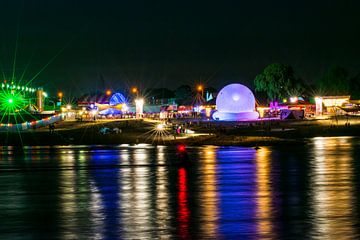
<point x="138" y="192"/>
<point x="237" y="192"/>
<point x="333" y="189"/>
<point x="264" y="193"/>
<point x="208" y="192"/>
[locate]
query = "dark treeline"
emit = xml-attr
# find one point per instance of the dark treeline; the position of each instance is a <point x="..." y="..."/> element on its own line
<point x="278" y="81"/>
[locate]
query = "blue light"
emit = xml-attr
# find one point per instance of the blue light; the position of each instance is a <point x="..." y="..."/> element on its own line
<point x="116" y="99"/>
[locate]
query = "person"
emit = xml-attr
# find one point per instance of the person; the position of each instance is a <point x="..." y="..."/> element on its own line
<point x="51" y="128"/>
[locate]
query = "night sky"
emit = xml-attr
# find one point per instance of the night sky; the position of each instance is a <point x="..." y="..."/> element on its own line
<point x="169" y="43"/>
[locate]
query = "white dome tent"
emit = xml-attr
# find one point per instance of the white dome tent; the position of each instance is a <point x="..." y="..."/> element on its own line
<point x="235" y="102"/>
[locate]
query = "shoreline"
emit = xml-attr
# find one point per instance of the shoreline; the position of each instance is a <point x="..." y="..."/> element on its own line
<point x="136" y="132"/>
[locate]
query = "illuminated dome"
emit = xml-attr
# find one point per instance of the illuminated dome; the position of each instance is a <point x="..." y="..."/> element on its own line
<point x="235" y="102"/>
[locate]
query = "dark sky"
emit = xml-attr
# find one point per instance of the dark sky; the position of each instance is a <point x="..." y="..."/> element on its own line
<point x="169" y="43"/>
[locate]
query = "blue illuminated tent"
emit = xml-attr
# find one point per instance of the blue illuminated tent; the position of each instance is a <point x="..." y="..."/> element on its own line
<point x="116" y="99"/>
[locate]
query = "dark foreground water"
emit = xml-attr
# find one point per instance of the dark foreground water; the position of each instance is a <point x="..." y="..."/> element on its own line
<point x="137" y="192"/>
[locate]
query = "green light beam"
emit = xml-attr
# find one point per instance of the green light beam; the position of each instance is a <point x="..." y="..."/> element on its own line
<point x="15" y="52"/>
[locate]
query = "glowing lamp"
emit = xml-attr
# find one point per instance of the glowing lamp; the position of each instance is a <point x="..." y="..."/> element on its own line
<point x="139" y="107"/>
<point x="134" y="90"/>
<point x="160" y="127"/>
<point x="318" y="105"/>
<point x="293" y="99"/>
<point x="181" y="148"/>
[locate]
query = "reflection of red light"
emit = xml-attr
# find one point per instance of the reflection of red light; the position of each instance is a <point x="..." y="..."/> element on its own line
<point x="181" y="148"/>
<point x="183" y="210"/>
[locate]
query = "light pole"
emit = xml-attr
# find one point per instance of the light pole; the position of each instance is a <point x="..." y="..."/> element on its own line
<point x="139" y="107"/>
<point x="200" y="88"/>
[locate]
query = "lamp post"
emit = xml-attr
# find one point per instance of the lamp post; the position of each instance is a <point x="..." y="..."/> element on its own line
<point x="139" y="107"/>
<point x="200" y="88"/>
<point x="60" y="95"/>
<point x="135" y="91"/>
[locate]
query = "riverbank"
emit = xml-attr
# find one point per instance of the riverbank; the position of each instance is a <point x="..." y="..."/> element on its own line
<point x="206" y="133"/>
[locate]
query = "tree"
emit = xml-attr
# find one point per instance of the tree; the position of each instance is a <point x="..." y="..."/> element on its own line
<point x="277" y="80"/>
<point x="335" y="81"/>
<point x="355" y="87"/>
<point x="183" y="94"/>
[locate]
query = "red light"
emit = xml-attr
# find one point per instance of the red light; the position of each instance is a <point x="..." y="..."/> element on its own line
<point x="181" y="148"/>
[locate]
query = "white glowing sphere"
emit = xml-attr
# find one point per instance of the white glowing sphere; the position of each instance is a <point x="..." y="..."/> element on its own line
<point x="235" y="98"/>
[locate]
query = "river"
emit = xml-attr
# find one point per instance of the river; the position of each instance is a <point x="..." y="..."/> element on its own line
<point x="140" y="192"/>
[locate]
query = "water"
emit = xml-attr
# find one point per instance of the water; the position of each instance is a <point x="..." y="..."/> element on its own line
<point x="137" y="192"/>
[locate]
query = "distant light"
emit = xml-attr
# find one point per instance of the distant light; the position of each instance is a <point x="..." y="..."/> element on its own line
<point x="108" y="92"/>
<point x="124" y="108"/>
<point x="60" y="94"/>
<point x="45" y="94"/>
<point x="68" y="107"/>
<point x="10" y="100"/>
<point x="134" y="90"/>
<point x="293" y="99"/>
<point x="181" y="148"/>
<point x="200" y="88"/>
<point x="160" y="127"/>
<point x="284" y="100"/>
<point x="139" y="101"/>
